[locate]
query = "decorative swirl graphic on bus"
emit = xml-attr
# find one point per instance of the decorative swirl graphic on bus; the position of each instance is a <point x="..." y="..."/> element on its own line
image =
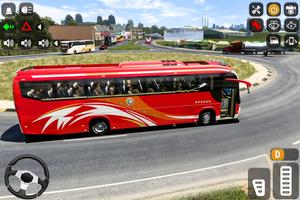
<point x="70" y="115"/>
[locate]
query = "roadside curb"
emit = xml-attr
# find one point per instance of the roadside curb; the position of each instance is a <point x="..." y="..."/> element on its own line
<point x="7" y="106"/>
<point x="261" y="77"/>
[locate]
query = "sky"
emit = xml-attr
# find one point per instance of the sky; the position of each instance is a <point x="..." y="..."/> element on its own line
<point x="169" y="13"/>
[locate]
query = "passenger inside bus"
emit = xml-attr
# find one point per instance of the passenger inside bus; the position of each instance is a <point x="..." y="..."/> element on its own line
<point x="62" y="90"/>
<point x="128" y="87"/>
<point x="78" y="90"/>
<point x="111" y="90"/>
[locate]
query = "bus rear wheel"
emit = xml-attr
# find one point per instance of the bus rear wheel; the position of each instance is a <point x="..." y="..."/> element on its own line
<point x="207" y="118"/>
<point x="99" y="127"/>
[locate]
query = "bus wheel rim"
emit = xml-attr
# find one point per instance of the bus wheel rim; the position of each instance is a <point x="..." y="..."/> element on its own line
<point x="99" y="128"/>
<point x="206" y="118"/>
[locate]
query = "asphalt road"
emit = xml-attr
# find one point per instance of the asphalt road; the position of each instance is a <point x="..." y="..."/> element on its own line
<point x="145" y="163"/>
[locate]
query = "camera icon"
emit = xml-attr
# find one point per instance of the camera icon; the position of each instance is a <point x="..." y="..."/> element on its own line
<point x="291" y="9"/>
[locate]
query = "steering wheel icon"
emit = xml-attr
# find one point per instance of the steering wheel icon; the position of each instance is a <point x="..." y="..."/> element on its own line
<point x="26" y="177"/>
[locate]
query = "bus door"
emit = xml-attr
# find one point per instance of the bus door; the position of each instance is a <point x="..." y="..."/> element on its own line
<point x="227" y="93"/>
<point x="228" y="101"/>
<point x="231" y="96"/>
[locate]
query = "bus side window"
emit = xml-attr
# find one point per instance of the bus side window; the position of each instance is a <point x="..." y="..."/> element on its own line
<point x="61" y="89"/>
<point x="78" y="90"/>
<point x="113" y="87"/>
<point x="182" y="84"/>
<point x="133" y="86"/>
<point x="35" y="90"/>
<point x="93" y="88"/>
<point x="168" y="84"/>
<point x="128" y="86"/>
<point x="148" y="85"/>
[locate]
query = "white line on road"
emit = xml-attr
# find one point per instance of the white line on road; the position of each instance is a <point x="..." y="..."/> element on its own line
<point x="297" y="142"/>
<point x="150" y="178"/>
<point x="96" y="138"/>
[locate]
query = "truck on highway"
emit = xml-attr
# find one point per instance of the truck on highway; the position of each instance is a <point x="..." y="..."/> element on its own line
<point x="251" y="48"/>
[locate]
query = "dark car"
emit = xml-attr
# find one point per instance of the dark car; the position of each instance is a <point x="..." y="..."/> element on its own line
<point x="103" y="47"/>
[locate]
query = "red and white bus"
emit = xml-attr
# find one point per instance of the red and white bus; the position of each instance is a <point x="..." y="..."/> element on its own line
<point x="98" y="98"/>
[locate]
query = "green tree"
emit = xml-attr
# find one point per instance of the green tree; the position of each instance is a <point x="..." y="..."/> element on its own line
<point x="1" y="32"/>
<point x="147" y="30"/>
<point x="69" y="20"/>
<point x="243" y="30"/>
<point x="106" y="22"/>
<point x="78" y="18"/>
<point x="129" y="25"/>
<point x="140" y="25"/>
<point x="155" y="29"/>
<point x="162" y="30"/>
<point x="47" y="21"/>
<point x="99" y="20"/>
<point x="111" y="19"/>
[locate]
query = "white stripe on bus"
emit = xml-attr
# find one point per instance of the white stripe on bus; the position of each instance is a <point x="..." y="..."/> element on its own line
<point x="125" y="73"/>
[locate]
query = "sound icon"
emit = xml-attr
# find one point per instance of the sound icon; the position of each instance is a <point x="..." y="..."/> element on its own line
<point x="8" y="43"/>
<point x="26" y="43"/>
<point x="43" y="43"/>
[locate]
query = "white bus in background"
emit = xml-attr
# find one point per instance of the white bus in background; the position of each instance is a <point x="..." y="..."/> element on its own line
<point x="77" y="46"/>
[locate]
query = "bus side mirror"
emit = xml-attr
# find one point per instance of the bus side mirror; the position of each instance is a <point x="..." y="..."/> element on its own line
<point x="248" y="84"/>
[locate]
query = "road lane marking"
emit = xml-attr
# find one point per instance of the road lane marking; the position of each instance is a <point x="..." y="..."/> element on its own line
<point x="297" y="142"/>
<point x="150" y="178"/>
<point x="95" y="138"/>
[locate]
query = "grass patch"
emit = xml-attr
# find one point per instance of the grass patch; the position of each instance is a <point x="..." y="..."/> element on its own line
<point x="186" y="44"/>
<point x="8" y="69"/>
<point x="235" y="193"/>
<point x="26" y="52"/>
<point x="167" y="43"/>
<point x="130" y="46"/>
<point x="259" y="37"/>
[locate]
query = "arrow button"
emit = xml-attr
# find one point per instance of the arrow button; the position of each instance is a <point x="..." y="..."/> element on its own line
<point x="56" y="43"/>
<point x="40" y="27"/>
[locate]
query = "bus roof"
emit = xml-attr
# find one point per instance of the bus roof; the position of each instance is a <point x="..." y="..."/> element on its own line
<point x="124" y="69"/>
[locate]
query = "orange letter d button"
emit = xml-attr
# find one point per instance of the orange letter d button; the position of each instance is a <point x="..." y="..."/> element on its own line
<point x="277" y="154"/>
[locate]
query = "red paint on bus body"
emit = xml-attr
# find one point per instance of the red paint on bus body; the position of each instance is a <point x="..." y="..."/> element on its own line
<point x="68" y="116"/>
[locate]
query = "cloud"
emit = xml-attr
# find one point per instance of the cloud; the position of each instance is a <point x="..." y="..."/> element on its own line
<point x="166" y="9"/>
<point x="144" y="5"/>
<point x="231" y="17"/>
<point x="68" y="7"/>
<point x="176" y="12"/>
<point x="88" y="12"/>
<point x="208" y="8"/>
<point x="56" y="13"/>
<point x="132" y="4"/>
<point x="148" y="18"/>
<point x="200" y="1"/>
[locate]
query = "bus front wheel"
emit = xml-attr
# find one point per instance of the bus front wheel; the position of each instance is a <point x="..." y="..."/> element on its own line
<point x="207" y="118"/>
<point x="99" y="127"/>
